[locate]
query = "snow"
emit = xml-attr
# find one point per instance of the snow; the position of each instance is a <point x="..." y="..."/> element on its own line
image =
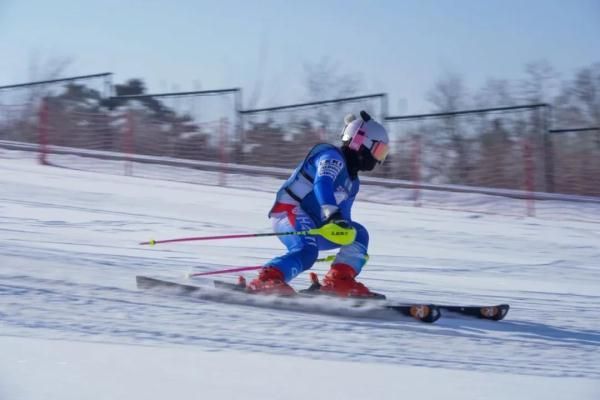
<point x="79" y="370"/>
<point x="73" y="325"/>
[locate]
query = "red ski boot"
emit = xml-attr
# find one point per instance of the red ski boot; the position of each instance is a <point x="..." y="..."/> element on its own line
<point x="340" y="281"/>
<point x="270" y="280"/>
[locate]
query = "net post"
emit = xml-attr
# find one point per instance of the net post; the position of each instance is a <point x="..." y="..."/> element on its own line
<point x="128" y="143"/>
<point x="43" y="133"/>
<point x="223" y="159"/>
<point x="529" y="175"/>
<point x="416" y="170"/>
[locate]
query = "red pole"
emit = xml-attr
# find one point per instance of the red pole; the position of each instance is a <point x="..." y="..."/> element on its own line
<point x="43" y="133"/>
<point x="529" y="175"/>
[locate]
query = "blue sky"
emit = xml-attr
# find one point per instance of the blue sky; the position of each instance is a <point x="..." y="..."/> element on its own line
<point x="398" y="47"/>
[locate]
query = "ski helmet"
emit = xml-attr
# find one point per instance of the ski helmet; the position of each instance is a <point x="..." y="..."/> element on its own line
<point x="368" y="133"/>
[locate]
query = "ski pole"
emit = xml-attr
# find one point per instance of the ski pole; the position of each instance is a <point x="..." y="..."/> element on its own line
<point x="332" y="232"/>
<point x="240" y="269"/>
<point x="224" y="271"/>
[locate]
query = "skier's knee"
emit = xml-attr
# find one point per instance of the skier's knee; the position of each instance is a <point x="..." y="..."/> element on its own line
<point x="362" y="235"/>
<point x="308" y="256"/>
<point x="355" y="254"/>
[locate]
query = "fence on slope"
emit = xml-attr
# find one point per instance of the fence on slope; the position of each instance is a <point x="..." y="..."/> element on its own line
<point x="507" y="151"/>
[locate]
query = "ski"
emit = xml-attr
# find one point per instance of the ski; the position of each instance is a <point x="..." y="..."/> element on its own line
<point x="422" y="312"/>
<point x="146" y="282"/>
<point x="494" y="313"/>
<point x="353" y="307"/>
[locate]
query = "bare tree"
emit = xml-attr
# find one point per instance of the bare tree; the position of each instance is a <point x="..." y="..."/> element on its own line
<point x="540" y="84"/>
<point x="495" y="93"/>
<point x="20" y="105"/>
<point x="324" y="81"/>
<point x="582" y="97"/>
<point x="43" y="69"/>
<point x="452" y="155"/>
<point x="448" y="93"/>
<point x="263" y="56"/>
<point x="577" y="154"/>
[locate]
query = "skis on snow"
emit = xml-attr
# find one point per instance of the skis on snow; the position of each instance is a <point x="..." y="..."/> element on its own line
<point x="353" y="307"/>
<point x="358" y="307"/>
<point x="421" y="312"/>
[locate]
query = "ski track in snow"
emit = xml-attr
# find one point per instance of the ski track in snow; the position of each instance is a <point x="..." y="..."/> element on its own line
<point x="69" y="256"/>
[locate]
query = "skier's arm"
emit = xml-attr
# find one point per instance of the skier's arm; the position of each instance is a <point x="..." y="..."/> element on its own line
<point x="329" y="166"/>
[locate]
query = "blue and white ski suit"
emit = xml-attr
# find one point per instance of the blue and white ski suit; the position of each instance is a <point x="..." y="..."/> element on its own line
<point x="321" y="181"/>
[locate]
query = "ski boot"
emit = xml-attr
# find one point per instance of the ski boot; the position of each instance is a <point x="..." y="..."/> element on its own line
<point x="270" y="280"/>
<point x="339" y="281"/>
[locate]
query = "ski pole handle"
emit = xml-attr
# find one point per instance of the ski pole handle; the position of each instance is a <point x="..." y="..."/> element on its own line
<point x="335" y="233"/>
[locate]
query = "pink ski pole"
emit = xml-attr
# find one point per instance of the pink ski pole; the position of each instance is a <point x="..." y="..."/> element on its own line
<point x="224" y="271"/>
<point x="189" y="239"/>
<point x="240" y="269"/>
<point x="334" y="233"/>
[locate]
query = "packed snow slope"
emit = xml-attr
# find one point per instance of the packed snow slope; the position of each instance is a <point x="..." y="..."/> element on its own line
<point x="69" y="255"/>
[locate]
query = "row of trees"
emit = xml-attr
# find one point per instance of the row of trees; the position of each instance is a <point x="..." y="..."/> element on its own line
<point x="572" y="157"/>
<point x="575" y="100"/>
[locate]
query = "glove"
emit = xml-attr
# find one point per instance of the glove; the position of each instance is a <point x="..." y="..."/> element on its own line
<point x="338" y="219"/>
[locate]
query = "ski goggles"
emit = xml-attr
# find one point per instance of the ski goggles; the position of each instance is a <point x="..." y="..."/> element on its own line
<point x="379" y="150"/>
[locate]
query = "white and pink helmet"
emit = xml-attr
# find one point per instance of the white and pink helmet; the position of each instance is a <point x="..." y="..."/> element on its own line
<point x="365" y="131"/>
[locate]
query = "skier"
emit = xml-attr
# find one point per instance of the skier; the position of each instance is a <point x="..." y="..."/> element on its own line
<point x="320" y="191"/>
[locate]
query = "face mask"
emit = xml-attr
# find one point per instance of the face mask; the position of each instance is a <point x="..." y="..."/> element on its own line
<point x="366" y="160"/>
